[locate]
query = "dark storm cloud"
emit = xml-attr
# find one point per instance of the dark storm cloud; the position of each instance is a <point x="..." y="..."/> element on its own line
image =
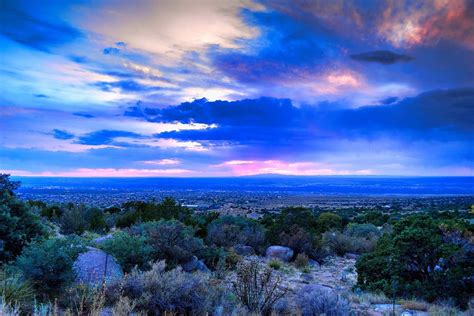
<point x="62" y="134"/>
<point x="384" y="57"/>
<point x="105" y="137"/>
<point x="33" y="32"/>
<point x="437" y="115"/>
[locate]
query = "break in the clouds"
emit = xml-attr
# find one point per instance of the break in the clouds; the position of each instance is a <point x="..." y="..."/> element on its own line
<point x="152" y="88"/>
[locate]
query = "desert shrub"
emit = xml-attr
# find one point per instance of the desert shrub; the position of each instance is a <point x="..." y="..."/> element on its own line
<point x="15" y="290"/>
<point x="211" y="255"/>
<point x="368" y="231"/>
<point x="201" y="222"/>
<point x="171" y="240"/>
<point x="158" y="291"/>
<point x="319" y="300"/>
<point x="81" y="299"/>
<point x="420" y="261"/>
<point x="232" y="259"/>
<point x="275" y="264"/>
<point x="372" y="217"/>
<point x="76" y="219"/>
<point x="328" y="221"/>
<point x="129" y="250"/>
<point x="299" y="240"/>
<point x="301" y="261"/>
<point x="286" y="220"/>
<point x="341" y="243"/>
<point x="228" y="231"/>
<point x="48" y="263"/>
<point x="18" y="222"/>
<point x="139" y="211"/>
<point x="257" y="287"/>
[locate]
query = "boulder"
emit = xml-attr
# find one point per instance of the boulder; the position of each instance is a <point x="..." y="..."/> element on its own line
<point x="351" y="256"/>
<point x="191" y="265"/>
<point x="279" y="252"/>
<point x="95" y="266"/>
<point x="194" y="264"/>
<point x="307" y="277"/>
<point x="102" y="239"/>
<point x="244" y="250"/>
<point x="314" y="264"/>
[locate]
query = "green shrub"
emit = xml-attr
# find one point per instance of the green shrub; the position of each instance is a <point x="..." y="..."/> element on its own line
<point x="228" y="231"/>
<point x="170" y="240"/>
<point x="129" y="250"/>
<point x="48" y="263"/>
<point x="327" y="221"/>
<point x="301" y="261"/>
<point x="159" y="291"/>
<point x="420" y="261"/>
<point x="275" y="264"/>
<point x="18" y="222"/>
<point x="15" y="290"/>
<point x="341" y="243"/>
<point x="367" y="231"/>
<point x="299" y="240"/>
<point x="76" y="219"/>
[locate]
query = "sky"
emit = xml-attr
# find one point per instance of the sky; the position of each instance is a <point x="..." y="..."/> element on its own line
<point x="185" y="88"/>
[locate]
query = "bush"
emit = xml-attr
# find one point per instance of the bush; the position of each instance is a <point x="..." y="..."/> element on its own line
<point x="275" y="264"/>
<point x="158" y="291"/>
<point x="18" y="222"/>
<point x="228" y="231"/>
<point x="129" y="250"/>
<point x="301" y="261"/>
<point x="48" y="263"/>
<point x="327" y="221"/>
<point x="14" y="290"/>
<point x="257" y="287"/>
<point x="341" y="243"/>
<point x="299" y="240"/>
<point x="170" y="240"/>
<point x="287" y="220"/>
<point x="368" y="231"/>
<point x="422" y="264"/>
<point x="318" y="300"/>
<point x="81" y="299"/>
<point x="76" y="219"/>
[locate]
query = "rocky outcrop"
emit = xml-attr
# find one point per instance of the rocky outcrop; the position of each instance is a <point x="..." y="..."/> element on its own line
<point x="95" y="266"/>
<point x="279" y="252"/>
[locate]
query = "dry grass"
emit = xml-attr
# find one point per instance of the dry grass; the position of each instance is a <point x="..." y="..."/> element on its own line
<point x="370" y="298"/>
<point x="415" y="305"/>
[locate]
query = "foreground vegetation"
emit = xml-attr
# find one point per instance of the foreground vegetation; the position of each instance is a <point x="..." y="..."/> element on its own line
<point x="428" y="257"/>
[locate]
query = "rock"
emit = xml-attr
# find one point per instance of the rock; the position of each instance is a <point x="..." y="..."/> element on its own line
<point x="202" y="267"/>
<point x="307" y="278"/>
<point x="102" y="239"/>
<point x="351" y="256"/>
<point x="90" y="267"/>
<point x="244" y="250"/>
<point x="279" y="252"/>
<point x="195" y="265"/>
<point x="191" y="265"/>
<point x="314" y="264"/>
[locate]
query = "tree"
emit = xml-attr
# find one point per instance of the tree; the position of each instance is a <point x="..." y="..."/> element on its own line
<point x="422" y="263"/>
<point x="18" y="223"/>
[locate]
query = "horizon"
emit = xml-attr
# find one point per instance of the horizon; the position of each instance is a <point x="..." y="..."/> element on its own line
<point x="153" y="89"/>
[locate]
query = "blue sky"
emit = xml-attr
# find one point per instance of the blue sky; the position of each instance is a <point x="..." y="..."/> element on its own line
<point x="227" y="88"/>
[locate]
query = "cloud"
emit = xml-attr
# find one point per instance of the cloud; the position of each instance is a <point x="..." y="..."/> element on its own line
<point x="111" y="51"/>
<point x="82" y="114"/>
<point x="30" y="31"/>
<point x="384" y="57"/>
<point x="125" y="86"/>
<point x="61" y="134"/>
<point x="162" y="162"/>
<point x="41" y="96"/>
<point x="105" y="137"/>
<point x="104" y="172"/>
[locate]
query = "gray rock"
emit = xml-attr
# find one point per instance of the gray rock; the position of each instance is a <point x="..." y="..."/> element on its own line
<point x="279" y="252"/>
<point x="191" y="265"/>
<point x="244" y="250"/>
<point x="195" y="265"/>
<point x="314" y="264"/>
<point x="352" y="256"/>
<point x="102" y="239"/>
<point x="307" y="278"/>
<point x="90" y="267"/>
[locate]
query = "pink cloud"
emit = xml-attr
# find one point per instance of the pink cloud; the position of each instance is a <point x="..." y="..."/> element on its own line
<point x="103" y="172"/>
<point x="250" y="167"/>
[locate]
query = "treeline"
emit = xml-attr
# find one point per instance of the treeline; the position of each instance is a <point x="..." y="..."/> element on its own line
<point x="428" y="256"/>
